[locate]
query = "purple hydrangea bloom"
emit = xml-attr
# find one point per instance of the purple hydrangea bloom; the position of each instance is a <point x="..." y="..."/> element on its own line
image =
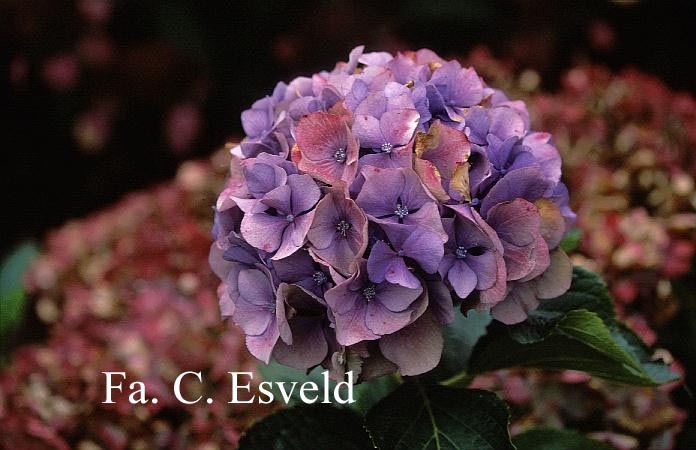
<point x="473" y="256"/>
<point x="364" y="310"/>
<point x="326" y="148"/>
<point x="282" y="227"/>
<point x="338" y="235"/>
<point x="368" y="202"/>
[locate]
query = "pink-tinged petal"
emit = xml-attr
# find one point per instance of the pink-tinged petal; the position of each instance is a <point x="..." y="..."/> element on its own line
<point x="398" y="157"/>
<point x="263" y="230"/>
<point x="319" y="135"/>
<point x="526" y="183"/>
<point x="351" y="327"/>
<point x="498" y="291"/>
<point x="516" y="306"/>
<point x="555" y="281"/>
<point x="261" y="346"/>
<point x="447" y="148"/>
<point x="382" y="321"/>
<point x="552" y="226"/>
<point x="305" y="193"/>
<point x="516" y="222"/>
<point x="399" y="125"/>
<point x="546" y="154"/>
<point x="505" y="122"/>
<point x="397" y="298"/>
<point x="462" y="279"/>
<point x="294" y="236"/>
<point x="431" y="178"/>
<point x="415" y="349"/>
<point x="519" y="261"/>
<point x="541" y="258"/>
<point x="309" y="347"/>
<point x="366" y="129"/>
<point x="326" y="170"/>
<point x="374" y="104"/>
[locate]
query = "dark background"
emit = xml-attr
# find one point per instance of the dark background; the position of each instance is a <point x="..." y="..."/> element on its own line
<point x="218" y="56"/>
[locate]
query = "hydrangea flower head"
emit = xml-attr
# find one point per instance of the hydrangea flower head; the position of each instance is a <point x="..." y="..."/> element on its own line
<point x="368" y="201"/>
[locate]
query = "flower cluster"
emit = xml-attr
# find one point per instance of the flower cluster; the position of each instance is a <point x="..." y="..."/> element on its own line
<point x="127" y="289"/>
<point x="367" y="201"/>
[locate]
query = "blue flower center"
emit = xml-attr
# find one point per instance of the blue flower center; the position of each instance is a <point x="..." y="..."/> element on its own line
<point x="319" y="277"/>
<point x="401" y="211"/>
<point x="270" y="307"/>
<point x="475" y="201"/>
<point x="369" y="292"/>
<point x="342" y="228"/>
<point x="386" y="147"/>
<point x="340" y="155"/>
<point x="290" y="218"/>
<point x="400" y="253"/>
<point x="461" y="252"/>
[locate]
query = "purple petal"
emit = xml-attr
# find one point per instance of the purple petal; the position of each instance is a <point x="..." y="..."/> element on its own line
<point x="263" y="230"/>
<point x="514" y="309"/>
<point x="381" y="320"/>
<point x="415" y="349"/>
<point x="462" y="279"/>
<point x="294" y="236"/>
<point x="399" y="125"/>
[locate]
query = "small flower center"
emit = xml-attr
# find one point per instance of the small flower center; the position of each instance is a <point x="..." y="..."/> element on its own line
<point x="475" y="201"/>
<point x="270" y="307"/>
<point x="461" y="252"/>
<point x="369" y="292"/>
<point x="401" y="211"/>
<point x="340" y="155"/>
<point x="290" y="218"/>
<point x="342" y="228"/>
<point x="400" y="253"/>
<point x="319" y="277"/>
<point x="386" y="147"/>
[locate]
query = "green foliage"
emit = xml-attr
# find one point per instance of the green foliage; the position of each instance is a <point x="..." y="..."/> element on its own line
<point x="12" y="294"/>
<point x="318" y="426"/>
<point x="578" y="331"/>
<point x="424" y="417"/>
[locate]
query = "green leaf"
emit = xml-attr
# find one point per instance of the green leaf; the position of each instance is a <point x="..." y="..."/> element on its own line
<point x="365" y="394"/>
<point x="12" y="295"/>
<point x="576" y="331"/>
<point x="423" y="417"/>
<point x="554" y="439"/>
<point x="571" y="240"/>
<point x="460" y="337"/>
<point x="318" y="426"/>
